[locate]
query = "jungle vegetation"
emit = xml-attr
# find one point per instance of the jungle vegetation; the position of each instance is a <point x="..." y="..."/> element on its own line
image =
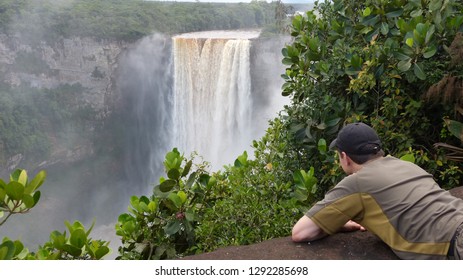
<point x="393" y="64"/>
<point x="127" y="19"/>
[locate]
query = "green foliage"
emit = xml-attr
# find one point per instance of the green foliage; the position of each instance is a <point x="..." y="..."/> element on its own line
<point x="30" y="117"/>
<point x="455" y="128"/>
<point x="453" y="173"/>
<point x="127" y="20"/>
<point x="9" y="9"/>
<point x="369" y="61"/>
<point x="78" y="246"/>
<point x="192" y="211"/>
<point x="249" y="205"/>
<point x="18" y="197"/>
<point x="12" y="250"/>
<point x="162" y="226"/>
<point x="20" y="194"/>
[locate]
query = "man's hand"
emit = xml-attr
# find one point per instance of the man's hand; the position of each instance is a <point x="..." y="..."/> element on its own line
<point x="352" y="226"/>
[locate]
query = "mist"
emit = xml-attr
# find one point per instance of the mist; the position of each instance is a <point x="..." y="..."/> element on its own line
<point x="131" y="138"/>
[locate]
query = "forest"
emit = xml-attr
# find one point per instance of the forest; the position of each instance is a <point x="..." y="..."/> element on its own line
<point x="127" y="19"/>
<point x="396" y="65"/>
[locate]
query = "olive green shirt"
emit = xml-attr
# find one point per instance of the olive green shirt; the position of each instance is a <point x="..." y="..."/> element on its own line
<point x="399" y="202"/>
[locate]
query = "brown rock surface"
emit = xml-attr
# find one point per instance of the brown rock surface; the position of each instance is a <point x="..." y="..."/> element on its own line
<point x="341" y="246"/>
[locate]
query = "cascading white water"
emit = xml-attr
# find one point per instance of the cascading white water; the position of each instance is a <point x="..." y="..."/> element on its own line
<point x="212" y="94"/>
<point x="216" y="114"/>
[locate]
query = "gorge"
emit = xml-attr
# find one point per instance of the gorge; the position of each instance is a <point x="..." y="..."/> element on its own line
<point x="201" y="92"/>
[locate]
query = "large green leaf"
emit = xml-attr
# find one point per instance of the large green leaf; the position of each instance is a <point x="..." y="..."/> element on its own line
<point x="167" y="185"/>
<point x="14" y="176"/>
<point x="177" y="200"/>
<point x="409" y="42"/>
<point x="14" y="190"/>
<point x="172" y="227"/>
<point x="158" y="193"/>
<point x="300" y="194"/>
<point x="356" y="61"/>
<point x="314" y="44"/>
<point x="404" y="65"/>
<point x="58" y="239"/>
<point x="212" y="182"/>
<point x="419" y="72"/>
<point x="173" y="174"/>
<point x="36" y="182"/>
<point x="2" y="195"/>
<point x="366" y="11"/>
<point x="129" y="226"/>
<point x="7" y="250"/>
<point x="78" y="238"/>
<point x="416" y="13"/>
<point x="20" y="251"/>
<point x="36" y="197"/>
<point x="395" y="13"/>
<point x="455" y="127"/>
<point x="435" y="5"/>
<point x="371" y="20"/>
<point x="187" y="168"/>
<point x="191" y="216"/>
<point x="28" y="200"/>
<point x="429" y="34"/>
<point x="18" y="247"/>
<point x="298" y="177"/>
<point x="204" y="179"/>
<point x="322" y="147"/>
<point x="384" y="28"/>
<point x="101" y="252"/>
<point x="22" y="179"/>
<point x="191" y="180"/>
<point x="429" y="51"/>
<point x="287" y="61"/>
<point x="182" y="196"/>
<point x="408" y="157"/>
<point x="72" y="250"/>
<point x="241" y="160"/>
<point x="419" y="33"/>
<point x="173" y="159"/>
<point x="87" y="233"/>
<point x="152" y="206"/>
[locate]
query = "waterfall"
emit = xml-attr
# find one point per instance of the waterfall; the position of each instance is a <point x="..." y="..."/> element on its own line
<point x="209" y="92"/>
<point x="212" y="101"/>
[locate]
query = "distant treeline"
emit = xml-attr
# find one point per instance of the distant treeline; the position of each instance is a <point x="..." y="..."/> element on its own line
<point x="128" y="19"/>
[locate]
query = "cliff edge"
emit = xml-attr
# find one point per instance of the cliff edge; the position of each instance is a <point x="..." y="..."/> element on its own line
<point x="342" y="246"/>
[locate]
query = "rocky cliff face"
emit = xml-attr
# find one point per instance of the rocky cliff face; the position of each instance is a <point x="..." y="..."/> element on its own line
<point x="86" y="62"/>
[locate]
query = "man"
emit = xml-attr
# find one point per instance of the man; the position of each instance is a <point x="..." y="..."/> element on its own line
<point x="394" y="199"/>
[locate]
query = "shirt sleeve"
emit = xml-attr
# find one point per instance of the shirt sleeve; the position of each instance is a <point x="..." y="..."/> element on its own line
<point x="341" y="204"/>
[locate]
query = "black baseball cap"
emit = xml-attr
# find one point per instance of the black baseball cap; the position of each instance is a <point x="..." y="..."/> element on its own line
<point x="357" y="139"/>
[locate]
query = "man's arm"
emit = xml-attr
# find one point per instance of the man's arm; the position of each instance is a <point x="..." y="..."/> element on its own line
<point x="306" y="230"/>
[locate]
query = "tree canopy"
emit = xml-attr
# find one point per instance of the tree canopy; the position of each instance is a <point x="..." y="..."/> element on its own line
<point x="374" y="61"/>
<point x="126" y="20"/>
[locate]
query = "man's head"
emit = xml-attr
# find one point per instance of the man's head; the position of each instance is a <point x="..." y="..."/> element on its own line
<point x="359" y="141"/>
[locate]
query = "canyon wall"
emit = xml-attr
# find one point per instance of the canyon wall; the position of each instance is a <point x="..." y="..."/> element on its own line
<point x="86" y="62"/>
